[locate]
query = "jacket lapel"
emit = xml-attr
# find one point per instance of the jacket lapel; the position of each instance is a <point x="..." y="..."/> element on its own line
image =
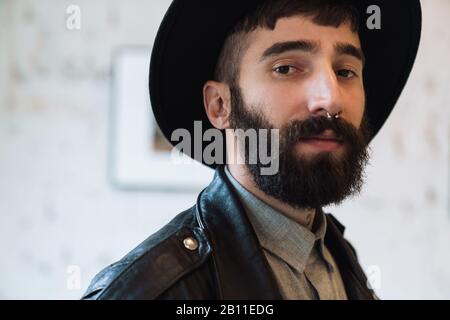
<point x="353" y="276"/>
<point x="241" y="268"/>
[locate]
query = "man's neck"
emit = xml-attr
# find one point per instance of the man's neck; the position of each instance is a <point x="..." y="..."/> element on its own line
<point x="304" y="217"/>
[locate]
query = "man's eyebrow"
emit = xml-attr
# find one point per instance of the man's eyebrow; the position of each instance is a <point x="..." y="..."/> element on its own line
<point x="349" y="49"/>
<point x="281" y="47"/>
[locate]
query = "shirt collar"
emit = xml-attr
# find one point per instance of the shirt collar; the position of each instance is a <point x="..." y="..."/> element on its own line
<point x="279" y="234"/>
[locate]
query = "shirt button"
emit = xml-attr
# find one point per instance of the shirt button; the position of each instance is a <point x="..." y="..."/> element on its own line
<point x="190" y="243"/>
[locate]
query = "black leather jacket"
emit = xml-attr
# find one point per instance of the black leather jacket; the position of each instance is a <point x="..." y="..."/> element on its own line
<point x="227" y="264"/>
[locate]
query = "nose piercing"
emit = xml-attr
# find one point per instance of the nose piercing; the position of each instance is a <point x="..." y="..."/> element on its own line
<point x="336" y="116"/>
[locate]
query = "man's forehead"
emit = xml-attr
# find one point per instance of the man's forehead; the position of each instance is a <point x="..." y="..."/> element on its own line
<point x="303" y="27"/>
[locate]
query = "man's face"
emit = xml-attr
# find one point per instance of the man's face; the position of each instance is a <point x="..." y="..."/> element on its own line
<point x="289" y="78"/>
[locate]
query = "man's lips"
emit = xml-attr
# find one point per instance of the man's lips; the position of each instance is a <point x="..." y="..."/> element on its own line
<point x="322" y="144"/>
<point x="323" y="139"/>
<point x="326" y="141"/>
<point x="327" y="135"/>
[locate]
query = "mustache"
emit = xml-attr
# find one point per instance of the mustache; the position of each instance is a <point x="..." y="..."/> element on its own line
<point x="297" y="130"/>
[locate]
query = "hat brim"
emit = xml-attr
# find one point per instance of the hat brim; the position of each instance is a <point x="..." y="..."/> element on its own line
<point x="192" y="33"/>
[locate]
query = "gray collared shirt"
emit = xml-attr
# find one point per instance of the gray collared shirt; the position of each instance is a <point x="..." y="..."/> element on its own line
<point x="300" y="261"/>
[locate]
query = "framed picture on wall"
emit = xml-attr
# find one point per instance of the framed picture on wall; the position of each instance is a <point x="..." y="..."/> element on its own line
<point x="139" y="155"/>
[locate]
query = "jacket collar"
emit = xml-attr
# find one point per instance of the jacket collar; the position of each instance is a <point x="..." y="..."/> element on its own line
<point x="242" y="270"/>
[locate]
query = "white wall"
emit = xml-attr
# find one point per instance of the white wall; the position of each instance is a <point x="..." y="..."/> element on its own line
<point x="58" y="209"/>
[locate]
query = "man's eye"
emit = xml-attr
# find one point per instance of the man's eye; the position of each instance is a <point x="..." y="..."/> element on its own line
<point x="285" y="70"/>
<point x="346" y="73"/>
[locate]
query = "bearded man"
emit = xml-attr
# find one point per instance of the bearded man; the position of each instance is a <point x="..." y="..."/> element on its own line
<point x="325" y="77"/>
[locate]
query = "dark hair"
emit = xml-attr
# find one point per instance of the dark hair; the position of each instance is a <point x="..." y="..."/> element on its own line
<point x="266" y="15"/>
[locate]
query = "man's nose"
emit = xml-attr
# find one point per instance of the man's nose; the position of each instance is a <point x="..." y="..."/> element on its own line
<point x="323" y="93"/>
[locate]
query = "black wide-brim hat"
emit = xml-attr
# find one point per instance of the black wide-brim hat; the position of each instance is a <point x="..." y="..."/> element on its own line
<point x="192" y="34"/>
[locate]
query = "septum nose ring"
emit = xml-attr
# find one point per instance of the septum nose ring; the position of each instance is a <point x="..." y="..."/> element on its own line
<point x="336" y="116"/>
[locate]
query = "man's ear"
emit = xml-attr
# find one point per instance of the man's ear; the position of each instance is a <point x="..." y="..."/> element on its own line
<point x="216" y="99"/>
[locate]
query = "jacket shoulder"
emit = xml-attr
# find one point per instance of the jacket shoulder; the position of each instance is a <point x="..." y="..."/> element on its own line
<point x="156" y="264"/>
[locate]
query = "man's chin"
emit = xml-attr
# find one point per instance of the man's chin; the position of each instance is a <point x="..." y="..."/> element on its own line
<point x="304" y="185"/>
<point x="302" y="160"/>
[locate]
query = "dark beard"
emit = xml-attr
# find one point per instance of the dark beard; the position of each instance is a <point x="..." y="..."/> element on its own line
<point x="307" y="182"/>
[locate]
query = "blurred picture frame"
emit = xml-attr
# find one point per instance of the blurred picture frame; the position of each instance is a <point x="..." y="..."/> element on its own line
<point x="139" y="155"/>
